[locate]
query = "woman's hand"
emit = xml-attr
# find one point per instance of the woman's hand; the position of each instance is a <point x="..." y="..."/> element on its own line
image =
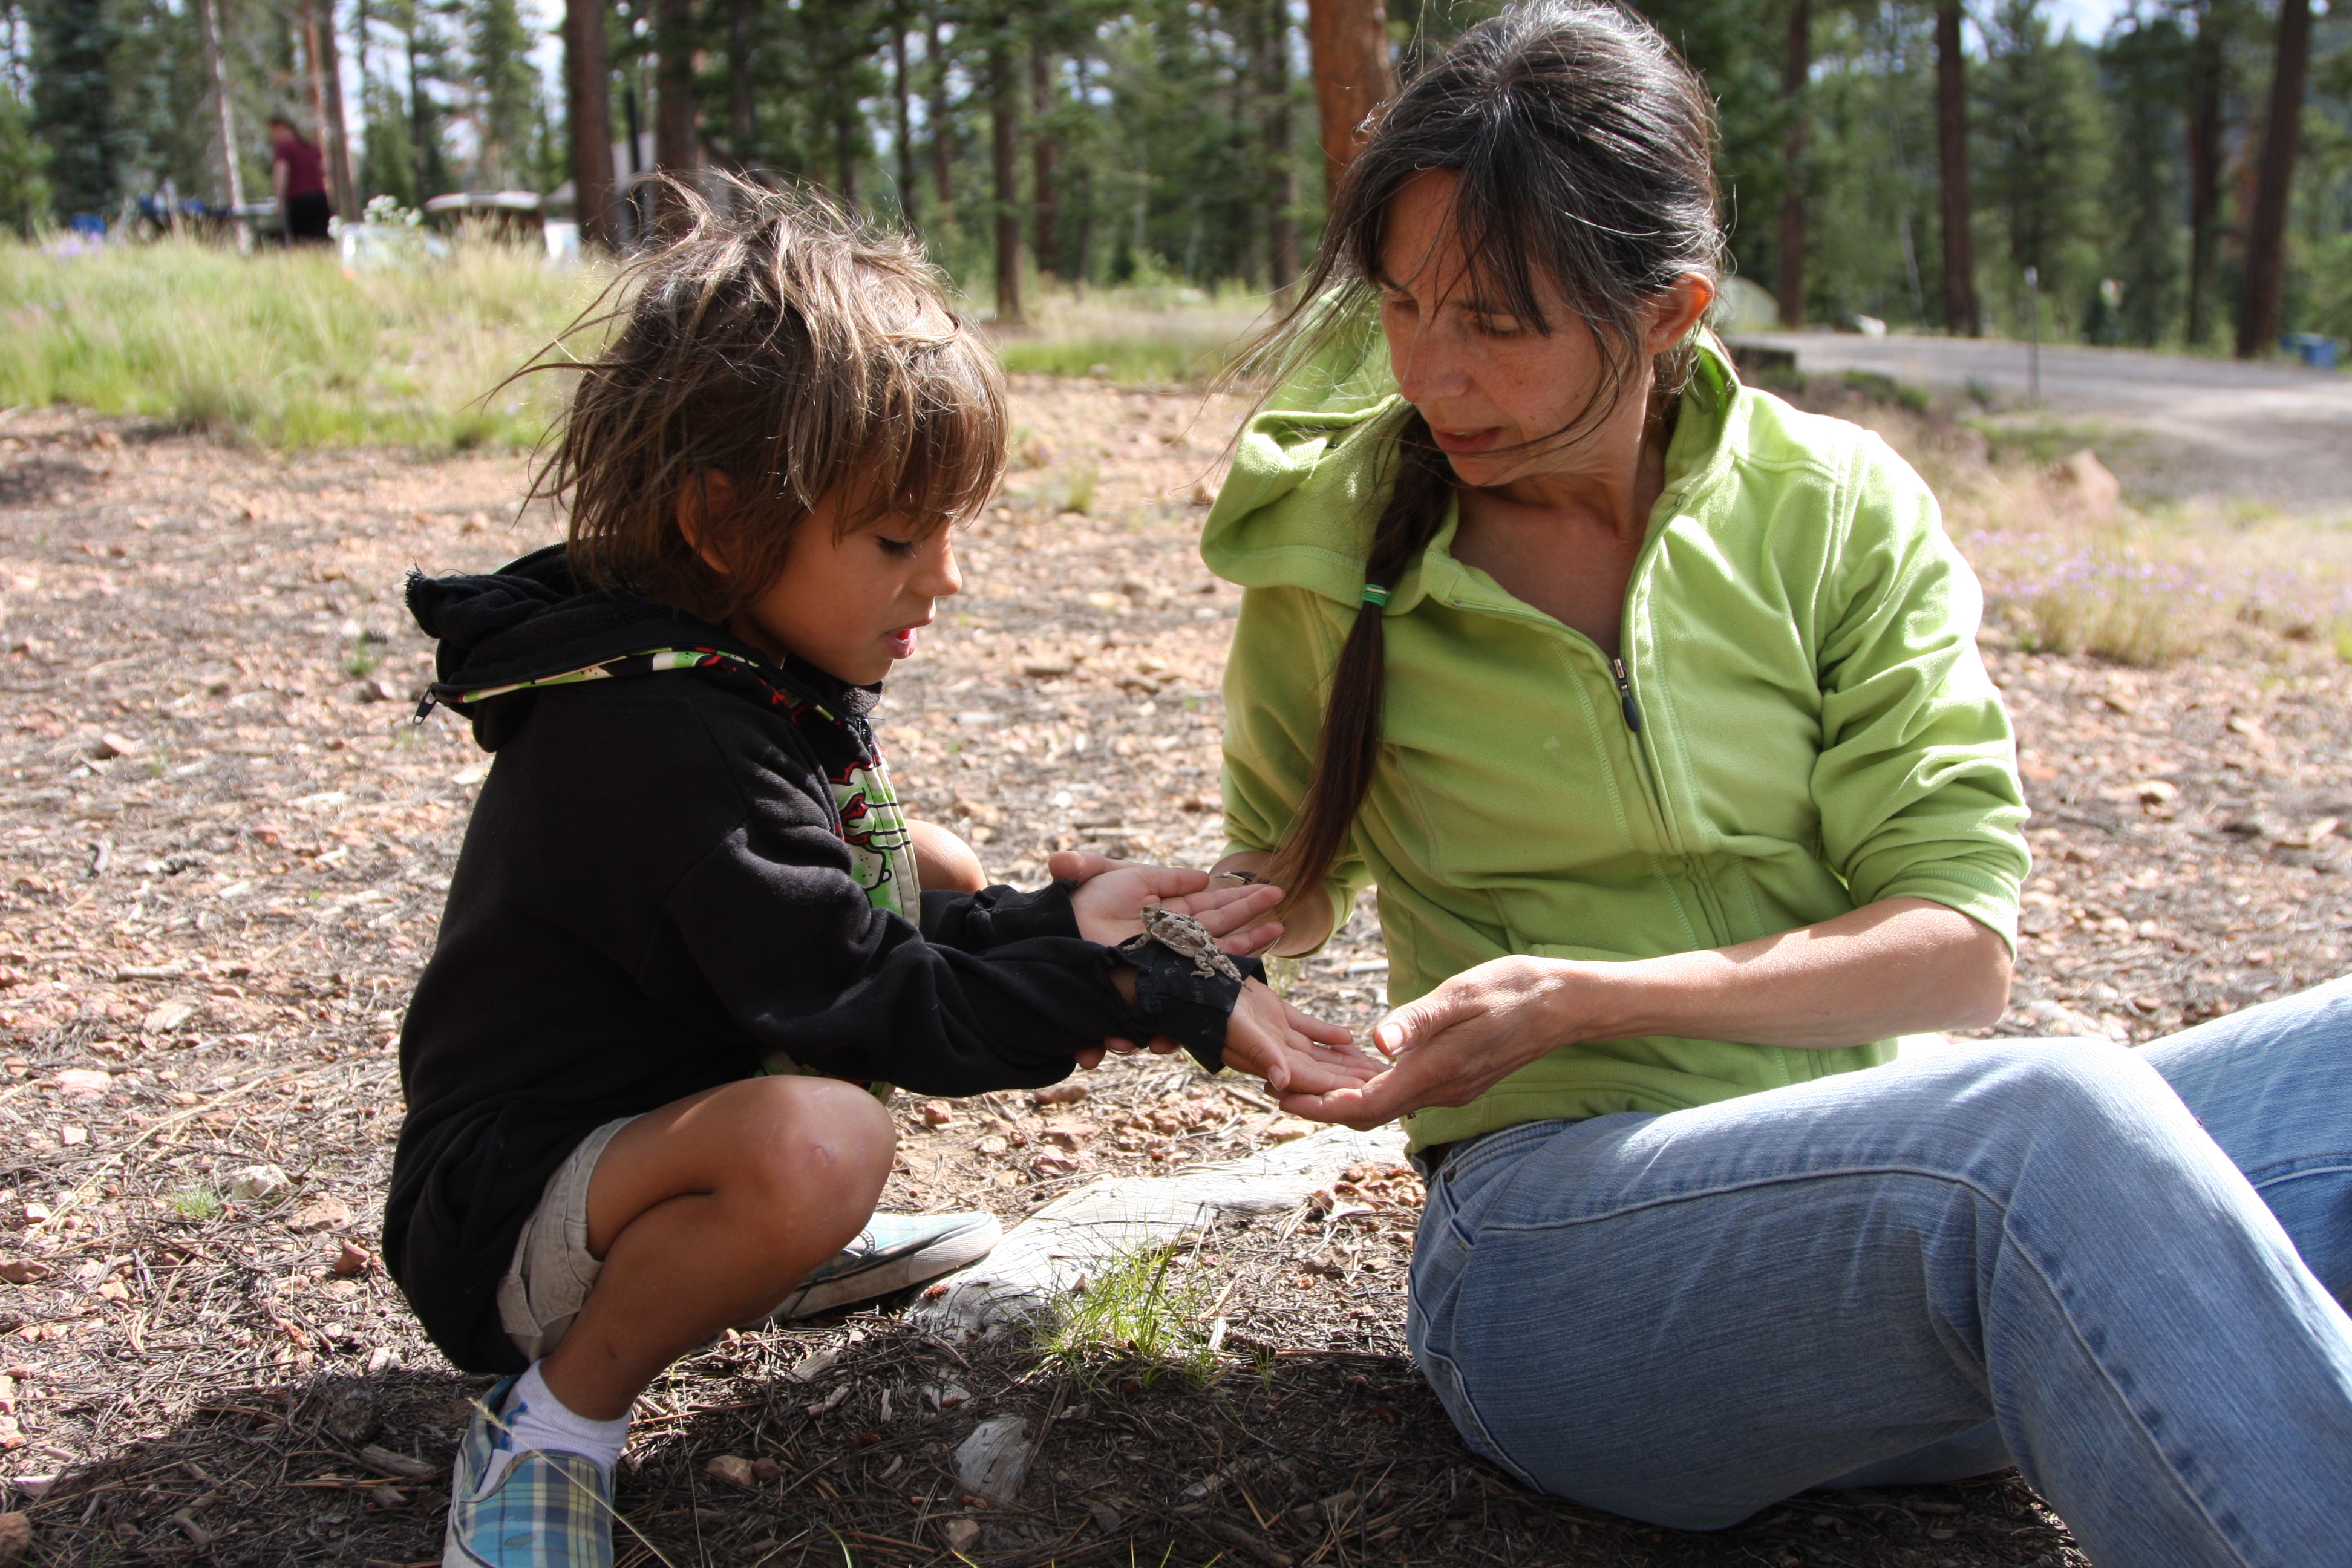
<point x="1455" y="1044"/>
<point x="1292" y="1051"/>
<point x="1111" y="895"/>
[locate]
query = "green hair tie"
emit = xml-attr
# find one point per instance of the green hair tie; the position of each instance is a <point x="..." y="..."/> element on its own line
<point x="1375" y="594"/>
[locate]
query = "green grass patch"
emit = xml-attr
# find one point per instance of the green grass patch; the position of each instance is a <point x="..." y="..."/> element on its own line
<point x="1145" y="1307"/>
<point x="1149" y="335"/>
<point x="197" y="1202"/>
<point x="2040" y="441"/>
<point x="286" y="349"/>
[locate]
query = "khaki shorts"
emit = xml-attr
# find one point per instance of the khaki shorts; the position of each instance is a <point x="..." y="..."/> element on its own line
<point x="553" y="1270"/>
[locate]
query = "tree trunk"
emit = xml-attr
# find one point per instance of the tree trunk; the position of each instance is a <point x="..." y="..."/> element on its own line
<point x="2259" y="323"/>
<point x="677" y="149"/>
<point x="901" y="105"/>
<point x="1796" y="70"/>
<point x="335" y="129"/>
<point x="587" y="85"/>
<point x="1960" y="317"/>
<point x="1004" y="111"/>
<point x="1043" y="198"/>
<point x="1348" y="42"/>
<point x="314" y="79"/>
<point x="742" y="119"/>
<point x="1281" y="181"/>
<point x="848" y="154"/>
<point x="935" y="65"/>
<point x="422" y="132"/>
<point x="224" y="121"/>
<point x="2207" y="67"/>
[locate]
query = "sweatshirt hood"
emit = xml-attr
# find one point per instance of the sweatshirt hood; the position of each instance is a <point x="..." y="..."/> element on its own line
<point x="508" y="634"/>
<point x="1311" y="472"/>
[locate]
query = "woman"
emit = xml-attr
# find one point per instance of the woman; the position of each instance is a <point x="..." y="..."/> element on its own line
<point x="1652" y="706"/>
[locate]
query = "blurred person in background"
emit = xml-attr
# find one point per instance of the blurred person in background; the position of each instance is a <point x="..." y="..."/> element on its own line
<point x="299" y="175"/>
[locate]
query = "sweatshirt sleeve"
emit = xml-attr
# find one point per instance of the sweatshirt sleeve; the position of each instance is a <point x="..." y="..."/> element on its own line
<point x="1285" y="647"/>
<point x="1916" y="779"/>
<point x="771" y="922"/>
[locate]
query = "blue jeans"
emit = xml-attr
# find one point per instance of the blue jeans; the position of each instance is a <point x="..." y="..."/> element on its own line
<point x="2025" y="1253"/>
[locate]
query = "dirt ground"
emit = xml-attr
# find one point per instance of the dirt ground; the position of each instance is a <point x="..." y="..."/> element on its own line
<point x="224" y="845"/>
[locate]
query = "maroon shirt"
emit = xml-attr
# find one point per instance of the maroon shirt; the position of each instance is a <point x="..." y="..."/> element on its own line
<point x="306" y="171"/>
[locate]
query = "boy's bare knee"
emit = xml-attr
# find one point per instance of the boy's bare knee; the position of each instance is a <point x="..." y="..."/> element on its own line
<point x="943" y="862"/>
<point x="820" y="1135"/>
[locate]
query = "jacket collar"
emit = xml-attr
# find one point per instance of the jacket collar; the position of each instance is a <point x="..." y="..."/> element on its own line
<point x="1306" y="487"/>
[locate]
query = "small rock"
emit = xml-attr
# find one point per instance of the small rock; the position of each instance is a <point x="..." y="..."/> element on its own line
<point x="959" y="1534"/>
<point x="1061" y="1094"/>
<point x="350" y="1258"/>
<point x="991" y="1145"/>
<point x="379" y="689"/>
<point x="76" y="1082"/>
<point x="168" y="1017"/>
<point x="1290" y="1129"/>
<point x="812" y="1366"/>
<point x="995" y="1461"/>
<point x="766" y="1469"/>
<point x="16" y="1538"/>
<point x="24" y="1271"/>
<point x="732" y="1469"/>
<point x="2155" y="792"/>
<point x="260" y="1181"/>
<point x="937" y="1113"/>
<point x="2095" y="491"/>
<point x="112" y="745"/>
<point x="346" y="1409"/>
<point x="1073" y="1135"/>
<point x="73" y="1137"/>
<point x="324" y="1212"/>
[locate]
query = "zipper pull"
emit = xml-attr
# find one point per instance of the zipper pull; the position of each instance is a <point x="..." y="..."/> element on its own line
<point x="1626" y="696"/>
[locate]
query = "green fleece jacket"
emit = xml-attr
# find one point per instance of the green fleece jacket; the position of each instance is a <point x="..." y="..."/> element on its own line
<point x="1803" y="726"/>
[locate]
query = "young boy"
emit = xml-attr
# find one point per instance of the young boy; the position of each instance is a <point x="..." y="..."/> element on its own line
<point x="687" y="935"/>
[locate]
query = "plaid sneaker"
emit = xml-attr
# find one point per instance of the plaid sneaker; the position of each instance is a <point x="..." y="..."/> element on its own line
<point x="894" y="1251"/>
<point x="549" y="1511"/>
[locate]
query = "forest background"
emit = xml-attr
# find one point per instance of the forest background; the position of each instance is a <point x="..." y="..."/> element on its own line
<point x="2184" y="180"/>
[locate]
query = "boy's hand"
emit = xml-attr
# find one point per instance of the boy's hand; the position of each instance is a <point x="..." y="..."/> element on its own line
<point x="1111" y="894"/>
<point x="1292" y="1052"/>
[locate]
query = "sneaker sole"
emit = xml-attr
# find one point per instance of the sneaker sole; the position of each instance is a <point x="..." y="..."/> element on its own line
<point x="944" y="1256"/>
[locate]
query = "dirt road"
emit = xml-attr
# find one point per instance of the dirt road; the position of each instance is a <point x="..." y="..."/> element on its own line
<point x="2172" y="427"/>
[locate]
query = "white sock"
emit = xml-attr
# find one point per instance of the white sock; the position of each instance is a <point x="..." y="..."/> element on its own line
<point x="536" y="1421"/>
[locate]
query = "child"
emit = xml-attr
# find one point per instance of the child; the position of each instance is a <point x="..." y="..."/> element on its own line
<point x="687" y="935"/>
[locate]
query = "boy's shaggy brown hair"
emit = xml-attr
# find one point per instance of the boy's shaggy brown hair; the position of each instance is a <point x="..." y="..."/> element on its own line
<point x="792" y="348"/>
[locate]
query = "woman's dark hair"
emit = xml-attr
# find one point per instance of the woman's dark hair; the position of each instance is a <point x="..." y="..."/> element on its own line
<point x="1584" y="151"/>
<point x="792" y="347"/>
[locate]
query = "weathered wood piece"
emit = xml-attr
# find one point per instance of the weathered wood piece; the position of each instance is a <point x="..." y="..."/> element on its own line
<point x="1078" y="1234"/>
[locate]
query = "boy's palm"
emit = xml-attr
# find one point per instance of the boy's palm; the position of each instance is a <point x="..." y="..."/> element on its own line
<point x="1295" y="1052"/>
<point x="1111" y="895"/>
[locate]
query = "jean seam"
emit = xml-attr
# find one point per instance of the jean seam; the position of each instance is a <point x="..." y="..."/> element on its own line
<point x="1791" y="1179"/>
<point x="2026" y="1255"/>
<point x="2294" y="1170"/>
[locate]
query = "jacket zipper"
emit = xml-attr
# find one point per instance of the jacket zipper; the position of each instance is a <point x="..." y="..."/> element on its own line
<point x="1626" y="696"/>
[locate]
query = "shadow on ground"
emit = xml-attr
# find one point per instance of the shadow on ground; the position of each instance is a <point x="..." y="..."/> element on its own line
<point x="1275" y="1458"/>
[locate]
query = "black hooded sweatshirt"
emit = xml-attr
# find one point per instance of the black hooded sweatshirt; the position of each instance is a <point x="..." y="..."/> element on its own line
<point x="657" y="892"/>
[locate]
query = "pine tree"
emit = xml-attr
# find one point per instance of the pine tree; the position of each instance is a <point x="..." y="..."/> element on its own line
<point x="24" y="163"/>
<point x="2145" y="68"/>
<point x="2042" y="145"/>
<point x="73" y="99"/>
<point x="507" y="91"/>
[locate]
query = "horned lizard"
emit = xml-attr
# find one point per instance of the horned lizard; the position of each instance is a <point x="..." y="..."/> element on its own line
<point x="1185" y="935"/>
